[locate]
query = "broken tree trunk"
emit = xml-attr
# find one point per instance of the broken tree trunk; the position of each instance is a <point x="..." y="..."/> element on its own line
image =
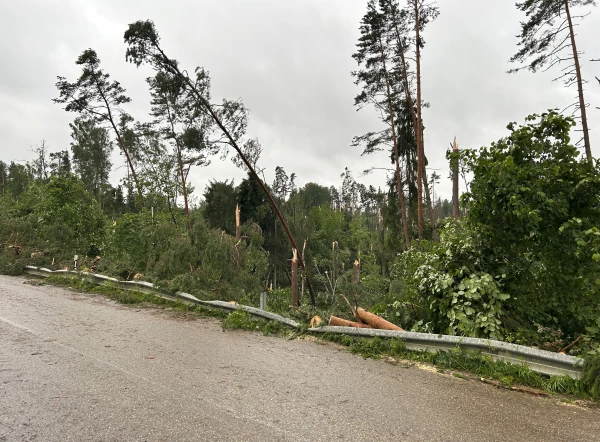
<point x="454" y="166"/>
<point x="356" y="272"/>
<point x="295" y="300"/>
<point x="376" y="321"/>
<point x="339" y="322"/>
<point x="238" y="228"/>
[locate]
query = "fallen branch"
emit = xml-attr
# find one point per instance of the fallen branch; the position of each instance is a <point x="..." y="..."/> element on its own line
<point x="570" y="345"/>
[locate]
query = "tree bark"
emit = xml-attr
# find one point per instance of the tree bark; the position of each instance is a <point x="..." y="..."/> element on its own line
<point x="419" y="124"/>
<point x="334" y="321"/>
<point x="375" y="321"/>
<point x="454" y="165"/>
<point x="238" y="228"/>
<point x="396" y="151"/>
<point x="584" y="123"/>
<point x="295" y="300"/>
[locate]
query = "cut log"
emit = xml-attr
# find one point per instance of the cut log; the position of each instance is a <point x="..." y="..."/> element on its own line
<point x="376" y="321"/>
<point x="316" y="321"/>
<point x="339" y="322"/>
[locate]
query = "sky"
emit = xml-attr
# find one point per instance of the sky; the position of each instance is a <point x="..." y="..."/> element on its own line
<point x="290" y="61"/>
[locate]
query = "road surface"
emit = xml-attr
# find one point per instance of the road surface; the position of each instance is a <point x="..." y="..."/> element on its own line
<point x="78" y="367"/>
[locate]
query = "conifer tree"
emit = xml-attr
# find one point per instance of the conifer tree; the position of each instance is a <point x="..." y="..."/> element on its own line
<point x="547" y="39"/>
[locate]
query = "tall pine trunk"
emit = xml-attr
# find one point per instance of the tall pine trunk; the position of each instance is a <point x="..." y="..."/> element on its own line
<point x="584" y="124"/>
<point x="419" y="124"/>
<point x="396" y="151"/>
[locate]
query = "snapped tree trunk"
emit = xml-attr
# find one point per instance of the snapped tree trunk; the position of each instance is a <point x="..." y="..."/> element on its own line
<point x="295" y="299"/>
<point x="356" y="272"/>
<point x="208" y="107"/>
<point x="454" y="166"/>
<point x="238" y="228"/>
<point x="584" y="123"/>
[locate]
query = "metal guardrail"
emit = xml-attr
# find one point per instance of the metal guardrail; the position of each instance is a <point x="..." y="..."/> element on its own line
<point x="540" y="361"/>
<point x="147" y="287"/>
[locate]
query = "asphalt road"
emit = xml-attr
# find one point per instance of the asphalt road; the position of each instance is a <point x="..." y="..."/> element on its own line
<point x="78" y="367"/>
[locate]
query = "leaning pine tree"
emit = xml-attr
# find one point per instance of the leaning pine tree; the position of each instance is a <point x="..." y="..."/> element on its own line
<point x="230" y="117"/>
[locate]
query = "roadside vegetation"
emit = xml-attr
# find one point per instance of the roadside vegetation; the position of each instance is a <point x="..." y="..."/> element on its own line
<point x="515" y="257"/>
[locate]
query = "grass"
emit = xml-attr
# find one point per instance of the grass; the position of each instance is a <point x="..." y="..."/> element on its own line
<point x="242" y="320"/>
<point x="128" y="297"/>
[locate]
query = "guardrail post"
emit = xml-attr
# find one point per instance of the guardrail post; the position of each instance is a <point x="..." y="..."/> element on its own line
<point x="263" y="301"/>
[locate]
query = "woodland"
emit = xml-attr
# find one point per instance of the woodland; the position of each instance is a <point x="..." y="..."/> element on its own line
<point x="514" y="256"/>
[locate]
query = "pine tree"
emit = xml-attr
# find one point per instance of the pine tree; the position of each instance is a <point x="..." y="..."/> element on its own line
<point x="545" y="40"/>
<point x="377" y="78"/>
<point x="95" y="98"/>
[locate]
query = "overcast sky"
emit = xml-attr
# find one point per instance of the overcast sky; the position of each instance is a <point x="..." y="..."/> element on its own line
<point x="290" y="61"/>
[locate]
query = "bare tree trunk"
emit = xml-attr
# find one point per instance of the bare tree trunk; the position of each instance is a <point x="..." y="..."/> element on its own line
<point x="188" y="225"/>
<point x="238" y="228"/>
<point x="419" y="124"/>
<point x="584" y="124"/>
<point x="122" y="145"/>
<point x="428" y="197"/>
<point x="295" y="300"/>
<point x="454" y="166"/>
<point x="396" y="152"/>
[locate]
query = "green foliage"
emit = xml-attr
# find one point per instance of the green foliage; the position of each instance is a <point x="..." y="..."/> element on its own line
<point x="534" y="203"/>
<point x="68" y="214"/>
<point x="220" y="199"/>
<point x="239" y="319"/>
<point x="91" y="147"/>
<point x="462" y="298"/>
<point x="590" y="376"/>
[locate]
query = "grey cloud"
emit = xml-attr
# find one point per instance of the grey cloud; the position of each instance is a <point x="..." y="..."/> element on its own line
<point x="290" y="61"/>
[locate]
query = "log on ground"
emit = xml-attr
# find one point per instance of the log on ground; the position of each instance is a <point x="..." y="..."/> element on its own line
<point x="376" y="321"/>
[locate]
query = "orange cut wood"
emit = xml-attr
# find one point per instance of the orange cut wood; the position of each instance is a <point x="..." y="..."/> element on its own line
<point x="339" y="322"/>
<point x="376" y="321"/>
